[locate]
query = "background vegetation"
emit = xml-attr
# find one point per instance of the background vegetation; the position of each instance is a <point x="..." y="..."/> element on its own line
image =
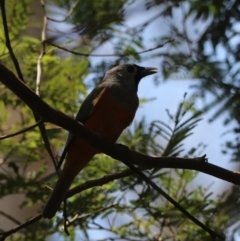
<point x="198" y="40"/>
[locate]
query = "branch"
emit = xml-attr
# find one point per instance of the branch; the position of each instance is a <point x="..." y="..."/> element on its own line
<point x="197" y="164"/>
<point x="116" y="151"/>
<point x="162" y="162"/>
<point x="24" y="225"/>
<point x="10" y="217"/>
<point x="38" y="82"/>
<point x="107" y="55"/>
<point x="22" y="131"/>
<point x="86" y="215"/>
<point x="100" y="181"/>
<point x="42" y="53"/>
<point x="68" y="14"/>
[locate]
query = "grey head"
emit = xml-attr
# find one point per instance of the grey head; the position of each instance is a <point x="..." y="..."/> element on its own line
<point x="127" y="75"/>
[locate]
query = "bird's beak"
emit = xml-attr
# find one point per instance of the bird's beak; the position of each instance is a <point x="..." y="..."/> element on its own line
<point x="148" y="71"/>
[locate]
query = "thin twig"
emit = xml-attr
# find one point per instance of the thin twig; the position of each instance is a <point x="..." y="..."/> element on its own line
<point x="108" y="55"/>
<point x="22" y="131"/>
<point x="24" y="225"/>
<point x="100" y="181"/>
<point x="42" y="53"/>
<point x="38" y="82"/>
<point x="86" y="215"/>
<point x="68" y="14"/>
<point x="10" y="217"/>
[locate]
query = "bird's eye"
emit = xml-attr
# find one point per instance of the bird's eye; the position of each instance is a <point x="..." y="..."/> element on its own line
<point x="130" y="69"/>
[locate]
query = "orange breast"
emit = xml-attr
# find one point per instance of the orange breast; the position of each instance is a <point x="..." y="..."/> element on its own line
<point x="108" y="118"/>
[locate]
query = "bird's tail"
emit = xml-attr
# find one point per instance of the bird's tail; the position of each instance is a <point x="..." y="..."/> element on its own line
<point x="57" y="196"/>
<point x="79" y="154"/>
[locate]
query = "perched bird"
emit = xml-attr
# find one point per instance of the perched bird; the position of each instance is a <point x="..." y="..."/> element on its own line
<point x="107" y="110"/>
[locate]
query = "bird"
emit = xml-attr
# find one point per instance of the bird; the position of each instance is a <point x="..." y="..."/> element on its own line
<point x="107" y="110"/>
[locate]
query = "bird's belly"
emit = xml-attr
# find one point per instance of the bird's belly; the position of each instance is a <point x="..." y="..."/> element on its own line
<point x="109" y="116"/>
<point x="108" y="122"/>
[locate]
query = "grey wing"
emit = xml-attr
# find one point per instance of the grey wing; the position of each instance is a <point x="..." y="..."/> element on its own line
<point x="85" y="109"/>
<point x="87" y="105"/>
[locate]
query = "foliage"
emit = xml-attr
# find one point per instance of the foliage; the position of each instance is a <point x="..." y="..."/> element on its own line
<point x="124" y="209"/>
<point x="206" y="48"/>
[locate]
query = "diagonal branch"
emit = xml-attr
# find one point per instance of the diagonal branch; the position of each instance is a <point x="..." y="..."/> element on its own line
<point x="107" y="55"/>
<point x="100" y="181"/>
<point x="21" y="226"/>
<point x="116" y="151"/>
<point x="10" y="217"/>
<point x="160" y="162"/>
<point x="68" y="14"/>
<point x="86" y="215"/>
<point x="22" y="131"/>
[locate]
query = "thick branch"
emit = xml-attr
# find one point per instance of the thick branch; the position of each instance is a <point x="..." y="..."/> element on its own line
<point x="116" y="151"/>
